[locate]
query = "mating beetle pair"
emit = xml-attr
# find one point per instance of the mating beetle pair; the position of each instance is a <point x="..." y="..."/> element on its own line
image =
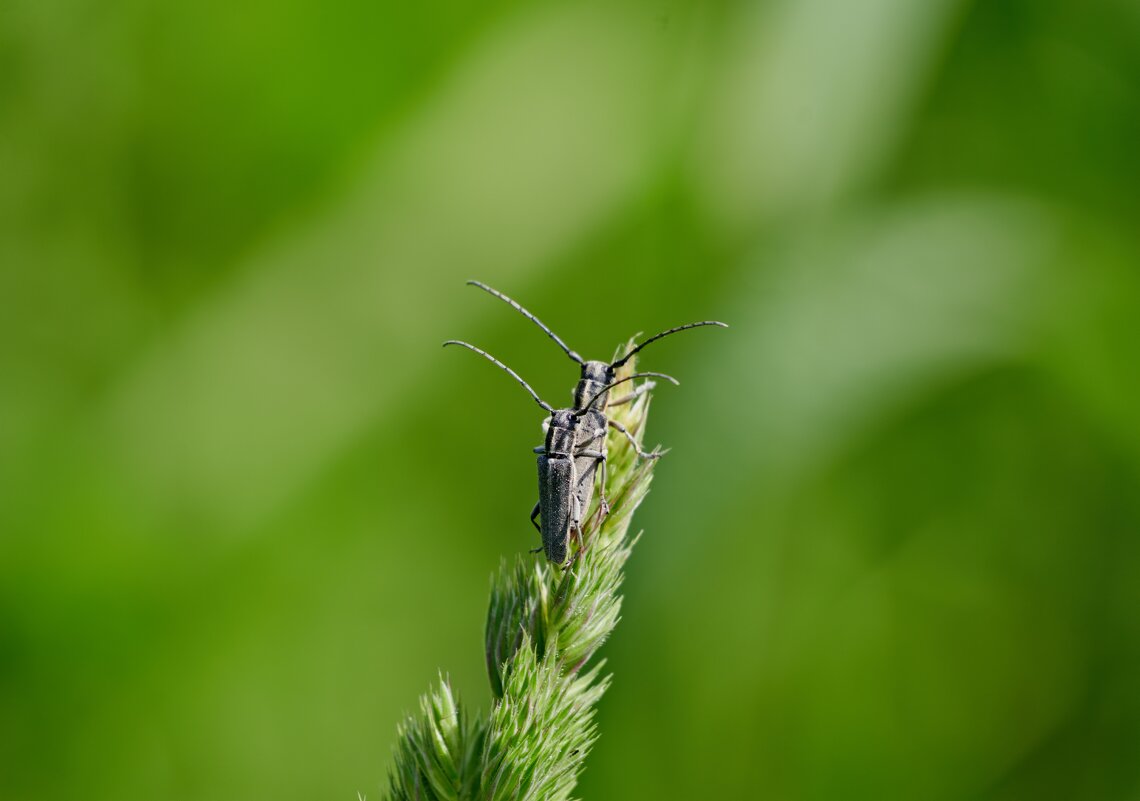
<point x="576" y="437"/>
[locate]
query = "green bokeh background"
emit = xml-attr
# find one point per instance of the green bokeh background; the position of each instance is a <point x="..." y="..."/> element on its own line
<point x="248" y="507"/>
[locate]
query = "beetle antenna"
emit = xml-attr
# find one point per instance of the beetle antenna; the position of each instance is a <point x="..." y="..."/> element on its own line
<point x="514" y="304"/>
<point x="511" y="372"/>
<point x="656" y="337"/>
<point x="608" y="387"/>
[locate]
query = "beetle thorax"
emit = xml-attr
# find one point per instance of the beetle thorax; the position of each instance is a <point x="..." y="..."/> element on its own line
<point x="595" y="377"/>
<point x="560" y="433"/>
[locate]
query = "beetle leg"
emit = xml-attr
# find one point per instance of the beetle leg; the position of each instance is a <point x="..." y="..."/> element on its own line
<point x="540" y="449"/>
<point x="575" y="507"/>
<point x="603" y="504"/>
<point x="641" y="390"/>
<point x="533" y="514"/>
<point x="632" y="441"/>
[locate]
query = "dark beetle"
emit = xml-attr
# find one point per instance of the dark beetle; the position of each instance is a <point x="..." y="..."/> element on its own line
<point x="565" y="452"/>
<point x="592" y="397"/>
<point x="557" y="477"/>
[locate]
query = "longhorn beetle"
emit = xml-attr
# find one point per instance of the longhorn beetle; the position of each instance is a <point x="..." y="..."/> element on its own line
<point x="559" y="504"/>
<point x="592" y="397"/>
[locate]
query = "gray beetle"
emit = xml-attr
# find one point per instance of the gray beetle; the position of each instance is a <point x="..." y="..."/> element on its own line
<point x="558" y="504"/>
<point x="564" y="453"/>
<point x="592" y="396"/>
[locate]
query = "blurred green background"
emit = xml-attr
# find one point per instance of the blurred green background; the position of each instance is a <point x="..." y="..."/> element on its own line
<point x="248" y="507"/>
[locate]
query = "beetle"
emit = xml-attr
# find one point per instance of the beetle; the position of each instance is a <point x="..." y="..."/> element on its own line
<point x="592" y="395"/>
<point x="563" y="461"/>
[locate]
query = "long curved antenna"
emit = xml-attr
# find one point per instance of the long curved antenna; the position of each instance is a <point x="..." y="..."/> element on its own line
<point x="656" y="337"/>
<point x="529" y="316"/>
<point x="512" y="373"/>
<point x="608" y="387"/>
